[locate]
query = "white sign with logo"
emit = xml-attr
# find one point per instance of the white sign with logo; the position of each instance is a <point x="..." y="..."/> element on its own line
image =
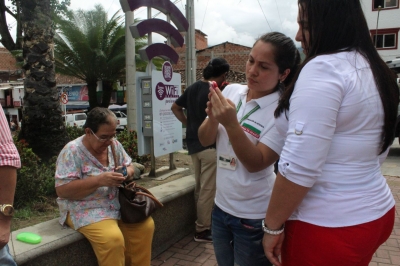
<point x="167" y="130"/>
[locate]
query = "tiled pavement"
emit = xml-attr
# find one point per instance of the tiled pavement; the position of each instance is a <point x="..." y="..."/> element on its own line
<point x="189" y="252"/>
<point x="389" y="253"/>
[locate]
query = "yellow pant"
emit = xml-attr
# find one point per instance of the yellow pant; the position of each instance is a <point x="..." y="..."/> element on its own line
<point x="117" y="244"/>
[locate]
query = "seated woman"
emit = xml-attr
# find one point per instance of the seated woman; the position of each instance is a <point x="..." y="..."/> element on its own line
<point x="87" y="187"/>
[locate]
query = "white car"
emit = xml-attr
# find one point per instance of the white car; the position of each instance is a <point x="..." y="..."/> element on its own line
<point x="122" y="120"/>
<point x="75" y="120"/>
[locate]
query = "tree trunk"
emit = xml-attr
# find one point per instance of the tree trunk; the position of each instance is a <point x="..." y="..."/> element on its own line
<point x="92" y="87"/>
<point x="6" y="38"/>
<point x="107" y="89"/>
<point x="43" y="127"/>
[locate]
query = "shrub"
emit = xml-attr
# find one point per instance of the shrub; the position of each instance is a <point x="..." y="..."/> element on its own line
<point x="35" y="179"/>
<point x="74" y="132"/>
<point x="128" y="139"/>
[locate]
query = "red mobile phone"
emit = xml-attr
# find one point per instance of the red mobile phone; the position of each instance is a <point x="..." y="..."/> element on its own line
<point x="213" y="84"/>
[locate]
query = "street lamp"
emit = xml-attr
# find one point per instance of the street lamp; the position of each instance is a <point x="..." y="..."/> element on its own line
<point x="376" y="32"/>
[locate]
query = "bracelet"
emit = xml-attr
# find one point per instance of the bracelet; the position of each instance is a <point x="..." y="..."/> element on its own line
<point x="272" y="232"/>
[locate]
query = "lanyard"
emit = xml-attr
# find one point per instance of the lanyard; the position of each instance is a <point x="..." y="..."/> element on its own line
<point x="248" y="114"/>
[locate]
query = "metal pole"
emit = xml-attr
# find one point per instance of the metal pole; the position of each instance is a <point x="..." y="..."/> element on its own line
<point x="130" y="63"/>
<point x="171" y="155"/>
<point x="191" y="64"/>
<point x="152" y="172"/>
<point x="64" y="106"/>
<point x="376" y="32"/>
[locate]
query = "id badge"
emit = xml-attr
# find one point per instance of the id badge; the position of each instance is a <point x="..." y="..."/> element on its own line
<point x="227" y="162"/>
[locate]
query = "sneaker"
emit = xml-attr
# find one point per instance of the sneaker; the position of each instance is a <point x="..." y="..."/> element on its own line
<point x="204" y="236"/>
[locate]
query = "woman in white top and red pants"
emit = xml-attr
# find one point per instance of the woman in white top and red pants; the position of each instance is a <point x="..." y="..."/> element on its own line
<point x="338" y="116"/>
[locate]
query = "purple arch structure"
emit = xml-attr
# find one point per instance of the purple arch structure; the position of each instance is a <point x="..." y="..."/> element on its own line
<point x="158" y="49"/>
<point x="165" y="6"/>
<point x="159" y="26"/>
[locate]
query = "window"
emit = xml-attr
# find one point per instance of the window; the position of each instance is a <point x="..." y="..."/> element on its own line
<point x="80" y="117"/>
<point x="385" y="41"/>
<point x="385" y="3"/>
<point x="387" y="38"/>
<point x="119" y="114"/>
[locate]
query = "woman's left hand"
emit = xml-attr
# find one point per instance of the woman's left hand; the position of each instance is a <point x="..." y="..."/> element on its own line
<point x="272" y="247"/>
<point x="131" y="172"/>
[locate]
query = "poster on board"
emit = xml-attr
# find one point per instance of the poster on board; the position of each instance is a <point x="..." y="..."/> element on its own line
<point x="167" y="130"/>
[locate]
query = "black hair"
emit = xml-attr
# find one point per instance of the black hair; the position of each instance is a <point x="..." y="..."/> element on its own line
<point x="215" y="68"/>
<point x="99" y="116"/>
<point x="340" y="25"/>
<point x="286" y="55"/>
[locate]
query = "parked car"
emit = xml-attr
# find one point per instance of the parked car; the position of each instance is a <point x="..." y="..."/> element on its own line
<point x="75" y="120"/>
<point x="122" y="120"/>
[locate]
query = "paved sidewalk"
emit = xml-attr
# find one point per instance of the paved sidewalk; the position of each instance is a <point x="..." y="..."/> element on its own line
<point x="188" y="252"/>
<point x="389" y="253"/>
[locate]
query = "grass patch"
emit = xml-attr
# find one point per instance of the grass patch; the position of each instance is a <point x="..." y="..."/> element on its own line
<point x="36" y="212"/>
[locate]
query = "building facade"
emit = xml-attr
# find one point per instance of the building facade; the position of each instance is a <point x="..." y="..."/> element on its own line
<point x="383" y="18"/>
<point x="235" y="54"/>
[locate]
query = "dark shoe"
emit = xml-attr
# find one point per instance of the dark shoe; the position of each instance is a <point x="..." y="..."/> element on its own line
<point x="204" y="236"/>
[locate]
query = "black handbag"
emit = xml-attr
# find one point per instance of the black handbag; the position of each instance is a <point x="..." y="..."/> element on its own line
<point x="137" y="203"/>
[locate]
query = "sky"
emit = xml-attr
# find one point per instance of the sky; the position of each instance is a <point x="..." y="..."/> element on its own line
<point x="236" y="21"/>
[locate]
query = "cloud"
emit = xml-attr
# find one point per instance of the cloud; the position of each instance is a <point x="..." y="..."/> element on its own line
<point x="237" y="21"/>
<point x="244" y="21"/>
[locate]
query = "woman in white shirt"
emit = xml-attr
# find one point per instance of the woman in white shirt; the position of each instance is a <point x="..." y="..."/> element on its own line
<point x="241" y="122"/>
<point x="337" y="116"/>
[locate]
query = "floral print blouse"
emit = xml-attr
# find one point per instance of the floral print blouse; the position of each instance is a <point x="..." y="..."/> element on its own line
<point x="76" y="162"/>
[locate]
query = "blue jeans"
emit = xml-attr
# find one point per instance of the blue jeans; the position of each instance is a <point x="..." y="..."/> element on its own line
<point x="237" y="241"/>
<point x="5" y="257"/>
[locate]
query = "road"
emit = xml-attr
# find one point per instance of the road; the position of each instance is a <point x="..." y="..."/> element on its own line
<point x="391" y="166"/>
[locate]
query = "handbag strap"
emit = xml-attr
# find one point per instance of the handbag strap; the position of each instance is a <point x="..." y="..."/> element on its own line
<point x="113" y="154"/>
<point x="150" y="196"/>
<point x="145" y="192"/>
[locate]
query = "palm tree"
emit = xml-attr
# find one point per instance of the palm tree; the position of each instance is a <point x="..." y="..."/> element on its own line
<point x="92" y="48"/>
<point x="42" y="126"/>
<point x="12" y="8"/>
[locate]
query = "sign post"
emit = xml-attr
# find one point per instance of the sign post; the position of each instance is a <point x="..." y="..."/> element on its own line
<point x="64" y="101"/>
<point x="167" y="130"/>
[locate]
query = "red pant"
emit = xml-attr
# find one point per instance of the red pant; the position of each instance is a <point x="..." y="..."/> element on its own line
<point x="310" y="245"/>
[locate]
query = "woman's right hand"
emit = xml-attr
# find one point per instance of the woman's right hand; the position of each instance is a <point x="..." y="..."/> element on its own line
<point x="221" y="108"/>
<point x="110" y="179"/>
<point x="272" y="245"/>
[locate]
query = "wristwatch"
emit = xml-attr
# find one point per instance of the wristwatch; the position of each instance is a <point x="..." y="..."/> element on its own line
<point x="7" y="209"/>
<point x="272" y="232"/>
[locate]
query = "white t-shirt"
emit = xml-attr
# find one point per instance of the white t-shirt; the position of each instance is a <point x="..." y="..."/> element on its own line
<point x="332" y="142"/>
<point x="239" y="192"/>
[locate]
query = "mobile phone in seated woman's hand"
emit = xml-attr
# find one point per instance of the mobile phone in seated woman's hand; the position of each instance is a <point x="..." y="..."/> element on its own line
<point x="122" y="170"/>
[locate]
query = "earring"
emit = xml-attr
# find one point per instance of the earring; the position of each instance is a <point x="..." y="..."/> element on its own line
<point x="281" y="85"/>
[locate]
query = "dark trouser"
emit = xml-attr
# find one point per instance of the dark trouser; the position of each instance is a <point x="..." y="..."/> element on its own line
<point x="237" y="241"/>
